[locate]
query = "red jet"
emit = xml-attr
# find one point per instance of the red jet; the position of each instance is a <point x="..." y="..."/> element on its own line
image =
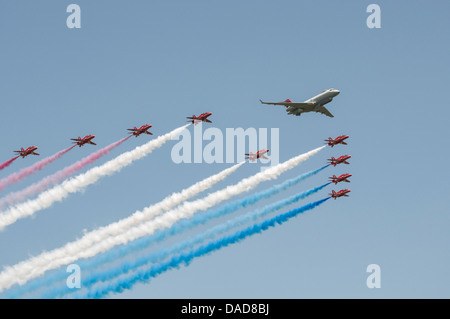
<point x="339" y="160"/>
<point x="253" y="157"/>
<point x="342" y="178"/>
<point x="201" y="118"/>
<point x="338" y="140"/>
<point x="28" y="151"/>
<point x="85" y="140"/>
<point x="341" y="193"/>
<point x="142" y="130"/>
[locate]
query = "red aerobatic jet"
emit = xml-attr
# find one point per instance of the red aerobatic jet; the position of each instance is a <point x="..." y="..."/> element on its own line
<point x="85" y="140"/>
<point x="338" y="140"/>
<point x="342" y="178"/>
<point x="341" y="193"/>
<point x="28" y="151"/>
<point x="339" y="160"/>
<point x="201" y="118"/>
<point x="253" y="157"/>
<point x="142" y="130"/>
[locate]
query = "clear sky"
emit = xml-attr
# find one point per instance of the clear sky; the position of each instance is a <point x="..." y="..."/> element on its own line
<point x="156" y="62"/>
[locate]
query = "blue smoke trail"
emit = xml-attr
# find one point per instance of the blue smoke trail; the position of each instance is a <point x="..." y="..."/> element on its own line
<point x="162" y="234"/>
<point x="144" y="275"/>
<point x="162" y="254"/>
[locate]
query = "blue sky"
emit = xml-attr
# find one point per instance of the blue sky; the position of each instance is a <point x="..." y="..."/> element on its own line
<point x="137" y="62"/>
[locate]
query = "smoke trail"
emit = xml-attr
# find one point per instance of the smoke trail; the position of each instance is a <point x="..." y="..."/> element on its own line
<point x="144" y="275"/>
<point x="188" y="209"/>
<point x="103" y="233"/>
<point x="185" y="224"/>
<point x="162" y="234"/>
<point x="78" y="183"/>
<point x="125" y="267"/>
<point x="58" y="176"/>
<point x="20" y="273"/>
<point x="8" y="162"/>
<point x="17" y="177"/>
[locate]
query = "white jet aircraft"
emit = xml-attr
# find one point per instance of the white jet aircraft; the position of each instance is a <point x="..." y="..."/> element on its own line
<point x="314" y="104"/>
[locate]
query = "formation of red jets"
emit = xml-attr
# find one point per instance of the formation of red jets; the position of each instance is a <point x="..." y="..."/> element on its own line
<point x="335" y="161"/>
<point x="87" y="140"/>
<point x="332" y="161"/>
<point x="250" y="156"/>
<point x="134" y="131"/>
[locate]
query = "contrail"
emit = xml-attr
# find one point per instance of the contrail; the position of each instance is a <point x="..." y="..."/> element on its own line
<point x="144" y="275"/>
<point x="26" y="270"/>
<point x="127" y="266"/>
<point x="16" y="177"/>
<point x="78" y="183"/>
<point x="8" y="162"/>
<point x="48" y="181"/>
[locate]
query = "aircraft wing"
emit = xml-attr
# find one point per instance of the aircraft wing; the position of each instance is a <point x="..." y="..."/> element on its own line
<point x="293" y="104"/>
<point x="323" y="110"/>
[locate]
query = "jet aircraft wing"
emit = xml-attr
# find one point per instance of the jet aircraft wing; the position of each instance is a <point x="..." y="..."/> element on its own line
<point x="292" y="104"/>
<point x="323" y="110"/>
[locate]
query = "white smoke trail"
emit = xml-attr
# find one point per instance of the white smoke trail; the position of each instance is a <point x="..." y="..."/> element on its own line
<point x="34" y="267"/>
<point x="78" y="183"/>
<point x="89" y="239"/>
<point x="187" y="209"/>
<point x="62" y="255"/>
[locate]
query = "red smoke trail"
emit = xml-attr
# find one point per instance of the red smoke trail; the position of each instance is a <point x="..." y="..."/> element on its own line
<point x="58" y="176"/>
<point x="16" y="177"/>
<point x="7" y="163"/>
